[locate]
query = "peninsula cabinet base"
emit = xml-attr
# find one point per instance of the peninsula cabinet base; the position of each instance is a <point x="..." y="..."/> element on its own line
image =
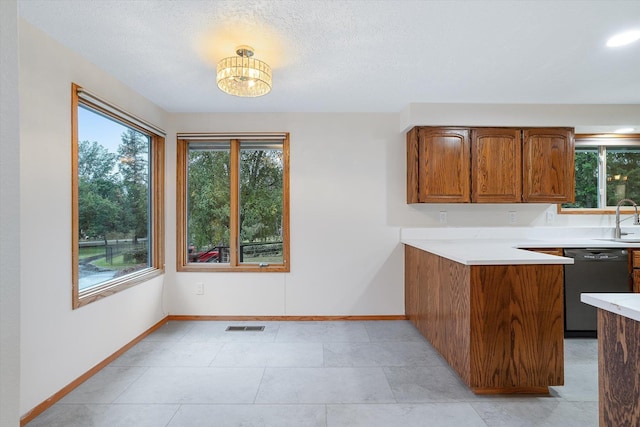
<point x="514" y="390"/>
<point x="500" y="327"/>
<point x="618" y="370"/>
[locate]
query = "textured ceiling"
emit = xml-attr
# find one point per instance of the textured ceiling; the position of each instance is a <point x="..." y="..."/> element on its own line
<point x="363" y="56"/>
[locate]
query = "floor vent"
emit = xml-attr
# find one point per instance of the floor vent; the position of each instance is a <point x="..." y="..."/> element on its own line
<point x="245" y="328"/>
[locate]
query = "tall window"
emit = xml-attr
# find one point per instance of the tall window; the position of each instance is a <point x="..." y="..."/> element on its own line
<point x="233" y="202"/>
<point x="117" y="196"/>
<point x="607" y="171"/>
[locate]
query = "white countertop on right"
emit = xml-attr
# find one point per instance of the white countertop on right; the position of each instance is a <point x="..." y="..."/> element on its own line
<point x="504" y="245"/>
<point x="623" y="304"/>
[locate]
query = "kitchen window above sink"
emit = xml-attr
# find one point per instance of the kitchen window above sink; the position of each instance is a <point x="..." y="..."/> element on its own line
<point x="607" y="170"/>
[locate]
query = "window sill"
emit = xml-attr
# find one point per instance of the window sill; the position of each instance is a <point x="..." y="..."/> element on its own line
<point x="593" y="211"/>
<point x="251" y="268"/>
<point x="114" y="286"/>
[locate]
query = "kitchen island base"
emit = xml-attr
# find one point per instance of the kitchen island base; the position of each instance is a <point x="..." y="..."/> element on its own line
<point x="618" y="372"/>
<point x="500" y="327"/>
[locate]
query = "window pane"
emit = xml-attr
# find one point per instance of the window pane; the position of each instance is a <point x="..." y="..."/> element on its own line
<point x="261" y="190"/>
<point x="623" y="174"/>
<point x="113" y="199"/>
<point x="208" y="203"/>
<point x="233" y="202"/>
<point x="586" y="166"/>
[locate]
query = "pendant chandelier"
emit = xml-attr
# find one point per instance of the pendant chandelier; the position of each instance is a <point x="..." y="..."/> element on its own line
<point x="243" y="75"/>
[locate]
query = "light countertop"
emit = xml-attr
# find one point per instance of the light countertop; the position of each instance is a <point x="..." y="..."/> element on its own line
<point x="623" y="304"/>
<point x="485" y="252"/>
<point x="504" y="246"/>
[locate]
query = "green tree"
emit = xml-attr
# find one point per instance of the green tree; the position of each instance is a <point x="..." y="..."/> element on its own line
<point x="99" y="192"/>
<point x="260" y="194"/>
<point x="134" y="169"/>
<point x="97" y="215"/>
<point x="208" y="198"/>
<point x="623" y="175"/>
<point x="95" y="162"/>
<point x="586" y="175"/>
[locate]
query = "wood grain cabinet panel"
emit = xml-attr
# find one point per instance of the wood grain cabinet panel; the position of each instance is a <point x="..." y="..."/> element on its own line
<point x="411" y="279"/>
<point x="413" y="184"/>
<point x="443" y="163"/>
<point x="634" y="268"/>
<point x="500" y="327"/>
<point x="618" y="370"/>
<point x="490" y="165"/>
<point x="496" y="165"/>
<point x="517" y="326"/>
<point x="548" y="165"/>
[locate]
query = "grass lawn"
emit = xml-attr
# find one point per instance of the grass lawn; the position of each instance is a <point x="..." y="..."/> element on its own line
<point x="90" y="251"/>
<point x="118" y="263"/>
<point x="277" y="259"/>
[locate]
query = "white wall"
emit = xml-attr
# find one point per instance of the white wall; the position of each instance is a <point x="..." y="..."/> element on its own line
<point x="586" y="118"/>
<point x="59" y="344"/>
<point x="9" y="217"/>
<point x="345" y="256"/>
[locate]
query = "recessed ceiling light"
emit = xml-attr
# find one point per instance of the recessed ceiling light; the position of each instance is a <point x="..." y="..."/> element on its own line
<point x="625" y="38"/>
<point x="624" y="130"/>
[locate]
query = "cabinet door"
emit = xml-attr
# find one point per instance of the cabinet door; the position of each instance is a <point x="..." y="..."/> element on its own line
<point x="548" y="167"/>
<point x="634" y="256"/>
<point x="496" y="165"/>
<point x="444" y="165"/>
<point x="635" y="285"/>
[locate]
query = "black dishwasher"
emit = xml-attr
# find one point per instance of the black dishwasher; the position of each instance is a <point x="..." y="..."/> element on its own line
<point x="594" y="270"/>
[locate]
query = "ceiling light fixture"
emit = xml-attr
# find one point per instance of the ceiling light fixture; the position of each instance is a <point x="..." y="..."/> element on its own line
<point x="242" y="75"/>
<point x="625" y="38"/>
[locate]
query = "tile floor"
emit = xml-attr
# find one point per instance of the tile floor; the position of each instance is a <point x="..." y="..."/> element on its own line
<point x="369" y="373"/>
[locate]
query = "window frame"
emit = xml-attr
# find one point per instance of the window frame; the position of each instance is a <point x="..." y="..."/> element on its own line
<point x="156" y="193"/>
<point x="183" y="265"/>
<point x="598" y="141"/>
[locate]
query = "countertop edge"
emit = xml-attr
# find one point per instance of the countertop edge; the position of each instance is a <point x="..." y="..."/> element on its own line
<point x="487" y="252"/>
<point x="505" y="246"/>
<point x="623" y="304"/>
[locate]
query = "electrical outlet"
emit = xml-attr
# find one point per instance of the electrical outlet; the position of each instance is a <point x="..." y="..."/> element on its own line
<point x="513" y="217"/>
<point x="199" y="288"/>
<point x="443" y="217"/>
<point x="551" y="217"/>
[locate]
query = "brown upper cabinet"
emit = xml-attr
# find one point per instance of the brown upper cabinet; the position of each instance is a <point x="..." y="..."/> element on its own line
<point x="496" y="165"/>
<point x="490" y="165"/>
<point x="548" y="162"/>
<point x="438" y="164"/>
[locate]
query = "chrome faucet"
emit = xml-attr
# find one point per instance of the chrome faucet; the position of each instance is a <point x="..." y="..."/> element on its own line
<point x="636" y="220"/>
